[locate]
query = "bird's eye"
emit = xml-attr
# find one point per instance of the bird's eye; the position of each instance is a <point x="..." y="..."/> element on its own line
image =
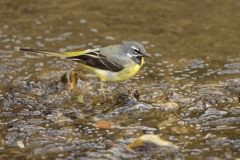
<point x="136" y="50"/>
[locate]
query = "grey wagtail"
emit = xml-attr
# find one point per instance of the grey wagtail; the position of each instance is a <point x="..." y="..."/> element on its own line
<point x="114" y="63"/>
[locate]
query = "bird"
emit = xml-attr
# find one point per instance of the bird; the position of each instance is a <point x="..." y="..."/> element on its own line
<point x="113" y="63"/>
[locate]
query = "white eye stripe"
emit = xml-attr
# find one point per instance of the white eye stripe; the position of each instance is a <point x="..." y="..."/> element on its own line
<point x="129" y="55"/>
<point x="133" y="47"/>
<point x="132" y="55"/>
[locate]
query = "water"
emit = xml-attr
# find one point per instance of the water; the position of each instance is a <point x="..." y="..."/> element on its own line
<point x="188" y="91"/>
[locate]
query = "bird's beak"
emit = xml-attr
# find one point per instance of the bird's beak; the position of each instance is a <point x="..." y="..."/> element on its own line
<point x="147" y="55"/>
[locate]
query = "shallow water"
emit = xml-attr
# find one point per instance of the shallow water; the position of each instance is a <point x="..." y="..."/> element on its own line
<point x="189" y="91"/>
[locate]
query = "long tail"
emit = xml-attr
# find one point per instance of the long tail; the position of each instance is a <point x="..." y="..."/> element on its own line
<point x="56" y="53"/>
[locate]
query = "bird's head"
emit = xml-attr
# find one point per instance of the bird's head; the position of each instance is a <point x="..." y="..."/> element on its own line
<point x="135" y="51"/>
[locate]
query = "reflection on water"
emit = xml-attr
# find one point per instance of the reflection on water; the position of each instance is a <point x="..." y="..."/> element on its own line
<point x="189" y="91"/>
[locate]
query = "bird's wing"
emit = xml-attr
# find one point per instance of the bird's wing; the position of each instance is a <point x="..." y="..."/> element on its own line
<point x="95" y="59"/>
<point x="89" y="57"/>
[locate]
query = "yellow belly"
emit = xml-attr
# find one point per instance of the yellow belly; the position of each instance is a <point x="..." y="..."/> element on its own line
<point x="123" y="75"/>
<point x="128" y="72"/>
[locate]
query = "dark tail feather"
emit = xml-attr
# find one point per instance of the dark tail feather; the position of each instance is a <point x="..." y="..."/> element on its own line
<point x="37" y="50"/>
<point x="54" y="53"/>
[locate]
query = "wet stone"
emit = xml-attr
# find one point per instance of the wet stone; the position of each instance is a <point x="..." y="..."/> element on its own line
<point x="188" y="94"/>
<point x="168" y="106"/>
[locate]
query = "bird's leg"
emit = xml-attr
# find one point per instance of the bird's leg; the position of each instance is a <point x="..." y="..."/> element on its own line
<point x="126" y="88"/>
<point x="131" y="91"/>
<point x="102" y="85"/>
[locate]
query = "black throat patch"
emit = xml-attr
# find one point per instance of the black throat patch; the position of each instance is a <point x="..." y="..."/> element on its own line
<point x="137" y="59"/>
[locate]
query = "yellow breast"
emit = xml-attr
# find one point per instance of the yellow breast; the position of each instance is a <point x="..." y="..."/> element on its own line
<point x="129" y="71"/>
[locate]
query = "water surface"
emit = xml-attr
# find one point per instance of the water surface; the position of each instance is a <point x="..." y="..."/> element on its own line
<point x="188" y="91"/>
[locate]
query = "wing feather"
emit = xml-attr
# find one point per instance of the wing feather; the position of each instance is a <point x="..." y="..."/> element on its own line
<point x="90" y="57"/>
<point x="97" y="60"/>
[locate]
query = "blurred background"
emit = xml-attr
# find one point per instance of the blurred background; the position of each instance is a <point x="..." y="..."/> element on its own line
<point x="194" y="72"/>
